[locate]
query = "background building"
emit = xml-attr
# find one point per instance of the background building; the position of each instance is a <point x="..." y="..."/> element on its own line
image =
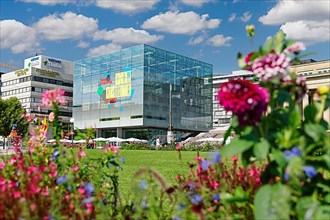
<point x="317" y="73"/>
<point x="142" y="91"/>
<point x="40" y="73"/>
<point x="222" y="118"/>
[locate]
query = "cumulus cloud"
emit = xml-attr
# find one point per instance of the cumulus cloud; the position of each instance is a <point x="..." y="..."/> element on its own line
<point x="219" y="41"/>
<point x="232" y="17"/>
<point x="127" y="6"/>
<point x="196" y="40"/>
<point x="311" y="18"/>
<point x="308" y="32"/>
<point x="246" y="16"/>
<point x="196" y="3"/>
<point x="103" y="49"/>
<point x="82" y="44"/>
<point x="124" y="36"/>
<point x="18" y="37"/>
<point x="66" y="26"/>
<point x="180" y="23"/>
<point x="49" y="2"/>
<point x="295" y="10"/>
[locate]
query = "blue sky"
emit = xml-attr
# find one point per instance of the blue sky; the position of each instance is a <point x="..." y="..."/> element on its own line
<point x="209" y="30"/>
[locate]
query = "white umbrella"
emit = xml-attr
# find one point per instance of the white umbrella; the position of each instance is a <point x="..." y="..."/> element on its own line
<point x="79" y="141"/>
<point x="114" y="139"/>
<point x="100" y="139"/>
<point x="210" y="139"/>
<point x="136" y="140"/>
<point x="51" y="141"/>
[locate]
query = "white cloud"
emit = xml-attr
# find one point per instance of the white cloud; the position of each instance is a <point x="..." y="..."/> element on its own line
<point x="219" y="41"/>
<point x="103" y="49"/>
<point x="127" y="6"/>
<point x="49" y="2"/>
<point x="82" y="44"/>
<point x="18" y="37"/>
<point x="307" y="21"/>
<point x="232" y="17"/>
<point x="124" y="36"/>
<point x="295" y="10"/>
<point x="196" y="40"/>
<point x="195" y="3"/>
<point x="180" y="23"/>
<point x="66" y="26"/>
<point x="246" y="16"/>
<point x="309" y="32"/>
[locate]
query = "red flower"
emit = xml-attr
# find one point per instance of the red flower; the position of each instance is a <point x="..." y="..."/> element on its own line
<point x="244" y="99"/>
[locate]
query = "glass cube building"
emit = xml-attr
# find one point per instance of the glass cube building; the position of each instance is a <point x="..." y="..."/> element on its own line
<point x="140" y="92"/>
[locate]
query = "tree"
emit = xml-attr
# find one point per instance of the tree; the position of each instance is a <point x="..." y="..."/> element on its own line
<point x="11" y="111"/>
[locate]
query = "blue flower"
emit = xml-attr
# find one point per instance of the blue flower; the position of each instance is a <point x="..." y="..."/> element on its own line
<point x="294" y="152"/>
<point x="216" y="197"/>
<point x="122" y="159"/>
<point x="143" y="185"/>
<point x="87" y="200"/>
<point x="205" y="164"/>
<point x="89" y="189"/>
<point x="61" y="179"/>
<point x="286" y="176"/>
<point x="195" y="198"/>
<point x="217" y="157"/>
<point x="191" y="186"/>
<point x="181" y="205"/>
<point x="144" y="203"/>
<point x="55" y="154"/>
<point x="310" y="171"/>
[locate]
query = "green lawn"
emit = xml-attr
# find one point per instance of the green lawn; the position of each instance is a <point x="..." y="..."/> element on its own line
<point x="166" y="163"/>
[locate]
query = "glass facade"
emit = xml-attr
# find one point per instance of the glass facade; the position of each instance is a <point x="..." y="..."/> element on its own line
<point x="134" y="88"/>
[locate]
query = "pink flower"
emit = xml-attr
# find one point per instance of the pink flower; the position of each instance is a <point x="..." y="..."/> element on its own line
<point x="2" y="165"/>
<point x="81" y="190"/>
<point x="55" y="96"/>
<point x="81" y="154"/>
<point x="45" y="192"/>
<point x="244" y="99"/>
<point x="294" y="48"/>
<point x="178" y="147"/>
<point x="16" y="194"/>
<point x="75" y="167"/>
<point x="271" y="66"/>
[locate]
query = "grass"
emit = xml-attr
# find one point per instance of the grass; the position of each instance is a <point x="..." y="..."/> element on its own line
<point x="166" y="163"/>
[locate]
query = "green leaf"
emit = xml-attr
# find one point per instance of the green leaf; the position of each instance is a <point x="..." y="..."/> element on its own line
<point x="303" y="205"/>
<point x="321" y="213"/>
<point x="314" y="131"/>
<point x="283" y="96"/>
<point x="310" y="113"/>
<point x="294" y="117"/>
<point x="278" y="41"/>
<point x="237" y="146"/>
<point x="272" y="202"/>
<point x="261" y="149"/>
<point x="268" y="46"/>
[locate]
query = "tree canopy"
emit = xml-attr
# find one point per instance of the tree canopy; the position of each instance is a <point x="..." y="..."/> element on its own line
<point x="11" y="111"/>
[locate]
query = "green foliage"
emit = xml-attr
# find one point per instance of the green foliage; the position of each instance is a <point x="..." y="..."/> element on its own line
<point x="272" y="202"/>
<point x="11" y="112"/>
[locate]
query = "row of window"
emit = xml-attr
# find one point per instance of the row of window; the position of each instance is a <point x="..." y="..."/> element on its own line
<point x="28" y="89"/>
<point x="46" y="111"/>
<point x="16" y="81"/>
<point x="37" y="79"/>
<point x="17" y="91"/>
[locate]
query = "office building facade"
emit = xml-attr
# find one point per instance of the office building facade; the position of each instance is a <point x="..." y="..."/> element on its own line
<point x="40" y="73"/>
<point x="142" y="91"/>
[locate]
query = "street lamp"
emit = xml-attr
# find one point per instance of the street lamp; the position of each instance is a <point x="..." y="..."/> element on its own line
<point x="72" y="124"/>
